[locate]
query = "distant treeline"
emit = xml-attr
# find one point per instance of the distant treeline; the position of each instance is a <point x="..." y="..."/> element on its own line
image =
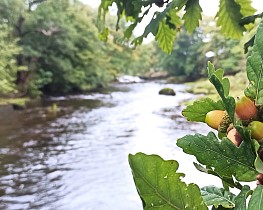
<point x="53" y="47"/>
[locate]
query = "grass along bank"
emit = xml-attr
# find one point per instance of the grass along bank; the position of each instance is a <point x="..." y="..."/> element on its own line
<point x="204" y="88"/>
<point x="17" y="101"/>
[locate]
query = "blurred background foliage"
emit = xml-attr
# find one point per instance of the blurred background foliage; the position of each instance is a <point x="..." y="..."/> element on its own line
<point x="53" y="47"/>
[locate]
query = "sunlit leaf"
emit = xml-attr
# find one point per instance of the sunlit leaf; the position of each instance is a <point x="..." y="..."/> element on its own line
<point x="174" y="18"/>
<point x="245" y="7"/>
<point x="160" y="187"/>
<point x="104" y="34"/>
<point x="229" y="16"/>
<point x="165" y="37"/>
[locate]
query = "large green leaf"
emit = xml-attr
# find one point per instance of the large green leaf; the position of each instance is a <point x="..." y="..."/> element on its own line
<point x="218" y="197"/>
<point x="240" y="200"/>
<point x="192" y="15"/>
<point x="256" y="201"/>
<point x="160" y="187"/>
<point x="229" y="16"/>
<point x="255" y="69"/>
<point x="226" y="159"/>
<point x="198" y="110"/>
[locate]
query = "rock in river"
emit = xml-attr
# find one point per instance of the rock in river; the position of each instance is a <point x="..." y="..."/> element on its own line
<point x="167" y="91"/>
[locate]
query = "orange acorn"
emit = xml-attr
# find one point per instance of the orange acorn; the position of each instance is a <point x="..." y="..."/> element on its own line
<point x="245" y="108"/>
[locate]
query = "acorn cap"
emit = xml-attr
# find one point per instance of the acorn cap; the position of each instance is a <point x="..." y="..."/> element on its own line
<point x="224" y="124"/>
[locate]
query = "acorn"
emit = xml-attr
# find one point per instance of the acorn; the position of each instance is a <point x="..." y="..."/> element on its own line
<point x="260" y="179"/>
<point x="234" y="136"/>
<point x="214" y="118"/>
<point x="256" y="128"/>
<point x="245" y="108"/>
<point x="224" y="124"/>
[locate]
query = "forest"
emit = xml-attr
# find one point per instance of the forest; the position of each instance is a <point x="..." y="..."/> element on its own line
<point x="54" y="47"/>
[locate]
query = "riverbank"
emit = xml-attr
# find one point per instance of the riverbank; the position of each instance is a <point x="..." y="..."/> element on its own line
<point x="201" y="88"/>
<point x="204" y="88"/>
<point x="16" y="101"/>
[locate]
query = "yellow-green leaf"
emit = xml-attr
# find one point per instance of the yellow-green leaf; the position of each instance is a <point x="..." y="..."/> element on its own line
<point x="245" y="7"/>
<point x="165" y="37"/>
<point x="229" y="16"/>
<point x="192" y="15"/>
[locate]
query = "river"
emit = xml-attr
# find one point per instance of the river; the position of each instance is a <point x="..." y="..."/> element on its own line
<point x="77" y="159"/>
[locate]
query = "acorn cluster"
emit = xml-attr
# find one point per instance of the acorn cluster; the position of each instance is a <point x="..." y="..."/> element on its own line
<point x="249" y="114"/>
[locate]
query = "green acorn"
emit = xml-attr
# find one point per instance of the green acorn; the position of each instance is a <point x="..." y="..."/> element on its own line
<point x="256" y="128"/>
<point x="213" y="118"/>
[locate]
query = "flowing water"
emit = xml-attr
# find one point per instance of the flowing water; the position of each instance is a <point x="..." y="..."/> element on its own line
<point x="77" y="158"/>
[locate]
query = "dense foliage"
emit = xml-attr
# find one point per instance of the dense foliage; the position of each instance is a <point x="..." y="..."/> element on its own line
<point x="8" y="67"/>
<point x="61" y="50"/>
<point x="233" y="150"/>
<point x="58" y="49"/>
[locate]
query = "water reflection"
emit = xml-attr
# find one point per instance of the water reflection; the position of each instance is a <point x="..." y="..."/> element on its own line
<point x="78" y="159"/>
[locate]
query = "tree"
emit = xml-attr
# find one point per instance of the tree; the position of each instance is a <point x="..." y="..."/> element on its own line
<point x="65" y="49"/>
<point x="70" y="57"/>
<point x="8" y="67"/>
<point x="224" y="52"/>
<point x="61" y="49"/>
<point x="123" y="58"/>
<point x="186" y="58"/>
<point x="190" y="52"/>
